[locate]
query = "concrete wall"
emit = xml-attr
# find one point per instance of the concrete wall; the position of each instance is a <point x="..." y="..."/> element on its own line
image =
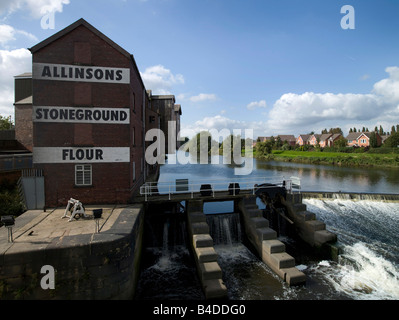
<point x="208" y="268"/>
<point x="89" y="266"/>
<point x="309" y="229"/>
<point x="264" y="240"/>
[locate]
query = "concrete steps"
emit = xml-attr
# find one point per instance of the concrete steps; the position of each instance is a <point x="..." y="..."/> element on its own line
<point x="311" y="230"/>
<point x="264" y="239"/>
<point x="209" y="271"/>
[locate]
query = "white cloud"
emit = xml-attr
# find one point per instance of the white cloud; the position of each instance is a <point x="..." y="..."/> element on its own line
<point x="221" y="123"/>
<point x="37" y="8"/>
<point x="257" y="104"/>
<point x="12" y="63"/>
<point x="8" y="33"/>
<point x="310" y="111"/>
<point x="203" y="97"/>
<point x="160" y="80"/>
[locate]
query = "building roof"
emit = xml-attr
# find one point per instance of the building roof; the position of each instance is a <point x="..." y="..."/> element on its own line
<point x="287" y="137"/>
<point x="335" y="136"/>
<point x="28" y="100"/>
<point x="83" y="22"/>
<point x="178" y="108"/>
<point x="356" y="135"/>
<point x="325" y="136"/>
<point x="304" y="137"/>
<point x="26" y="75"/>
<point x="73" y="26"/>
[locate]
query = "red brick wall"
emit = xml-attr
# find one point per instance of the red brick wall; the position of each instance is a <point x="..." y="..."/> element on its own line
<point x="24" y="126"/>
<point x="112" y="182"/>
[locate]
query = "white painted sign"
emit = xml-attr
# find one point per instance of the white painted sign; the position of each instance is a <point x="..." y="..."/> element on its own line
<point x="81" y="115"/>
<point x="63" y="72"/>
<point x="81" y="155"/>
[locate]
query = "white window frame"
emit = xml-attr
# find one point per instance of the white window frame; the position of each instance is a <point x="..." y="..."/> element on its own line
<point x="85" y="169"/>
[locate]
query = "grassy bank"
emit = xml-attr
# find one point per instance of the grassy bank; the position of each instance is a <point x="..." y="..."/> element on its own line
<point x="334" y="158"/>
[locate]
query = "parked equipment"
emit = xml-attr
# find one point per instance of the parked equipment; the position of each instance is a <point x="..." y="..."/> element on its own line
<point x="76" y="208"/>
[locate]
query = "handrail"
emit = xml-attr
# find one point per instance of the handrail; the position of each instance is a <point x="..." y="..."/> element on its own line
<point x="172" y="188"/>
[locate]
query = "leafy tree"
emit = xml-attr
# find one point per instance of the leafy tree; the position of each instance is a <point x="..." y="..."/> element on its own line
<point x="5" y="123"/>
<point x="264" y="148"/>
<point x="381" y="132"/>
<point x="341" y="142"/>
<point x="392" y="141"/>
<point x="373" y="140"/>
<point x="393" y="130"/>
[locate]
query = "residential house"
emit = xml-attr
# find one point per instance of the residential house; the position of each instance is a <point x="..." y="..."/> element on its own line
<point x="313" y="139"/>
<point x="331" y="141"/>
<point x="302" y="139"/>
<point x="291" y="140"/>
<point x="323" y="142"/>
<point x="362" y="139"/>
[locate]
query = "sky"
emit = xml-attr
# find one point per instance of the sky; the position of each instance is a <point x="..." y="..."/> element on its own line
<point x="277" y="67"/>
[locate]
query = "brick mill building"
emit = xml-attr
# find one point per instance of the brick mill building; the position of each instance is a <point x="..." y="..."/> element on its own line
<point x="90" y="112"/>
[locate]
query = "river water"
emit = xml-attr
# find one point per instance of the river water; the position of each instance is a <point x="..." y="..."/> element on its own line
<point x="367" y="230"/>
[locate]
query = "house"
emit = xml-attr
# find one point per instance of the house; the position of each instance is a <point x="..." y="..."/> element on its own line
<point x="314" y="139"/>
<point x="302" y="139"/>
<point x="323" y="141"/>
<point x="362" y="139"/>
<point x="331" y="141"/>
<point x="291" y="140"/>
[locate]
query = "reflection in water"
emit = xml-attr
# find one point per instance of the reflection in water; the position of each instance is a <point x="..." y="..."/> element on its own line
<point x="313" y="177"/>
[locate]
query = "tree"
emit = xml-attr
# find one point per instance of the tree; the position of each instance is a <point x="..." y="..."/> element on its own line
<point x="264" y="147"/>
<point x="341" y="142"/>
<point x="373" y="140"/>
<point x="392" y="141"/>
<point x="381" y="132"/>
<point x="393" y="130"/>
<point x="5" y="123"/>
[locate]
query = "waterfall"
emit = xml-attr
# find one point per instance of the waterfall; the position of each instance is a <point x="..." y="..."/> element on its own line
<point x="386" y="197"/>
<point x="367" y="230"/>
<point x="225" y="229"/>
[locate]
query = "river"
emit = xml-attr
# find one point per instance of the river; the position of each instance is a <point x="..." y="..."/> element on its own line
<point x="367" y="269"/>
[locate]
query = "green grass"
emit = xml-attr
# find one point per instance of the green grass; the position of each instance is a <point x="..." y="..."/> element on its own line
<point x="334" y="158"/>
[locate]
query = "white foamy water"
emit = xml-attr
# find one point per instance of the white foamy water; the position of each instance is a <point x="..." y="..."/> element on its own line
<point x="368" y="231"/>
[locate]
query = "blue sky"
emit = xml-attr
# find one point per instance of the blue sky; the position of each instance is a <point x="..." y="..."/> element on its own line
<point x="278" y="67"/>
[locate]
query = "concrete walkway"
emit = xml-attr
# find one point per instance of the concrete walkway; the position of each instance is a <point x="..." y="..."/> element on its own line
<point x="37" y="227"/>
<point x="88" y="264"/>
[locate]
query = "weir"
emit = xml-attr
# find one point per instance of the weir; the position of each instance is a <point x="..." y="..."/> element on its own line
<point x="247" y="215"/>
<point x="354" y="196"/>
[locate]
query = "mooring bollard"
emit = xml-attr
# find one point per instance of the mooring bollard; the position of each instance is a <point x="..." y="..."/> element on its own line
<point x="97" y="213"/>
<point x="9" y="222"/>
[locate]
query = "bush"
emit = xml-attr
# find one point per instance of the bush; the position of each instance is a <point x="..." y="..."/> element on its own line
<point x="10" y="202"/>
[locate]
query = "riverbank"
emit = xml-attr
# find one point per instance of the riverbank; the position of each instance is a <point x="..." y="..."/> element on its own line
<point x="333" y="158"/>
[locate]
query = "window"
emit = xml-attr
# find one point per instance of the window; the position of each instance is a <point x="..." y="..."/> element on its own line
<point x="83" y="175"/>
<point x="134" y="171"/>
<point x="134" y="137"/>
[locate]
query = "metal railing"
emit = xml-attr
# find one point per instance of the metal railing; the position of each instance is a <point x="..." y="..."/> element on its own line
<point x="234" y="186"/>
